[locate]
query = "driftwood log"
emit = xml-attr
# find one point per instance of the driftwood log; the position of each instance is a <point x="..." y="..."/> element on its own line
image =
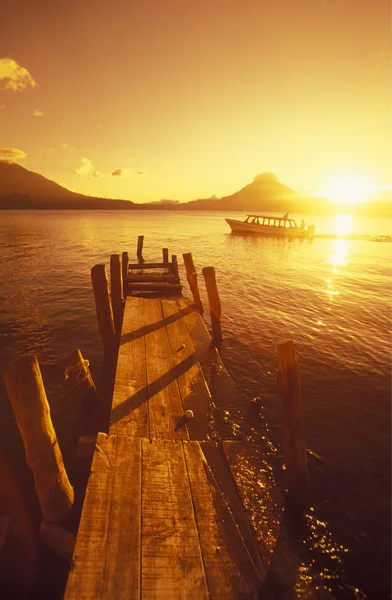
<point x="32" y="413"/>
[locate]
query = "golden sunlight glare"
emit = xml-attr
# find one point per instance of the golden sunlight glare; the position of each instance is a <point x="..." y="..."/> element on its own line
<point x="343" y="224"/>
<point x="348" y="190"/>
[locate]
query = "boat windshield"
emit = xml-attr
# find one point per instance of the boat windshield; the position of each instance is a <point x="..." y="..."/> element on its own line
<point x="283" y="222"/>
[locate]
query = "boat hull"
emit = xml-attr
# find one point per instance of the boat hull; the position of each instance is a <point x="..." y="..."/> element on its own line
<point x="250" y="228"/>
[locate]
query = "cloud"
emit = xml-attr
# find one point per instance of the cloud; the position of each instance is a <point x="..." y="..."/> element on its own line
<point x="12" y="154"/>
<point x="121" y="173"/>
<point x="85" y="168"/>
<point x="97" y="174"/>
<point x="37" y="113"/>
<point x="17" y="78"/>
<point x="142" y="172"/>
<point x="67" y="147"/>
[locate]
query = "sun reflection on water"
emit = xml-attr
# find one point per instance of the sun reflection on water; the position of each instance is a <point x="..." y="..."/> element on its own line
<point x="343" y="224"/>
<point x="339" y="256"/>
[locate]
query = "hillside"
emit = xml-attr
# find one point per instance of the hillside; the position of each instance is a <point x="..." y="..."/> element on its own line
<point x="23" y="189"/>
<point x="265" y="193"/>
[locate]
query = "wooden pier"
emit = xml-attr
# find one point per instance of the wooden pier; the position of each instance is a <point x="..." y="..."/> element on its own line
<point x="155" y="524"/>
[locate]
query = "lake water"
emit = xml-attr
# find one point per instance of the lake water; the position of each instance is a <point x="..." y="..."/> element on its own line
<point x="331" y="295"/>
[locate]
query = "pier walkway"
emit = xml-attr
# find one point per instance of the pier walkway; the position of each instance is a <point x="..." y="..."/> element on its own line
<point x="155" y="524"/>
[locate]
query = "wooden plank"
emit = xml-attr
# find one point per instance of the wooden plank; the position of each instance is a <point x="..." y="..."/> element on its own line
<point x="172" y="565"/>
<point x="230" y="571"/>
<point x="154" y="287"/>
<point x="106" y="560"/>
<point x="129" y="408"/>
<point x="154" y="278"/>
<point x="122" y="577"/>
<point x="192" y="385"/>
<point x="219" y="382"/>
<point x="164" y="402"/>
<point x="89" y="560"/>
<point x="155" y="265"/>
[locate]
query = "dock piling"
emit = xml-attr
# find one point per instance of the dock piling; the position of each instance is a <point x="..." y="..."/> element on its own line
<point x="165" y="255"/>
<point x="27" y="395"/>
<point x="214" y="304"/>
<point x="124" y="268"/>
<point x="140" y="241"/>
<point x="192" y="280"/>
<point x="104" y="309"/>
<point x="289" y="389"/>
<point x="116" y="290"/>
<point x="175" y="265"/>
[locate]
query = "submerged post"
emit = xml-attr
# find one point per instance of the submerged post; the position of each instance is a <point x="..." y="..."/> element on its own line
<point x="124" y="268"/>
<point x="32" y="413"/>
<point x="104" y="309"/>
<point x="289" y="389"/>
<point x="214" y="304"/>
<point x="165" y="255"/>
<point x="140" y="241"/>
<point x="116" y="290"/>
<point x="192" y="280"/>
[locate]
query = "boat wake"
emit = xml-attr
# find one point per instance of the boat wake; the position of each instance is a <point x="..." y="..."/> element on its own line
<point x="353" y="236"/>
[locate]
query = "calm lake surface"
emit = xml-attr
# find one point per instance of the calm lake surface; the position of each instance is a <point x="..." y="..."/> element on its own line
<point x="331" y="295"/>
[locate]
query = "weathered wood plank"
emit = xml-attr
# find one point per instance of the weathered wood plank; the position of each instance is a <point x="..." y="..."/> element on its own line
<point x="122" y="578"/>
<point x="163" y="278"/>
<point x="172" y="565"/>
<point x="154" y="265"/>
<point x="192" y="385"/>
<point x="89" y="560"/>
<point x="146" y="286"/>
<point x="219" y="382"/>
<point x="164" y="402"/>
<point x="106" y="560"/>
<point x="129" y="408"/>
<point x="230" y="571"/>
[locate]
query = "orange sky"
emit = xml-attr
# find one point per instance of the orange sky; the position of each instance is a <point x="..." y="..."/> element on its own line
<point x="185" y="99"/>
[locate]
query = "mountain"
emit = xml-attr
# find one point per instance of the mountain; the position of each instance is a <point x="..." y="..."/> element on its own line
<point x="20" y="188"/>
<point x="265" y="193"/>
<point x="23" y="189"/>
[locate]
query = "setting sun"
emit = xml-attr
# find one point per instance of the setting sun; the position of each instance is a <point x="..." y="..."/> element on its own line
<point x="348" y="190"/>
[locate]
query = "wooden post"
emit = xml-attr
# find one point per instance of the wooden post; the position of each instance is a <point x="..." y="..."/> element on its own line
<point x="79" y="379"/>
<point x="214" y="303"/>
<point x="104" y="310"/>
<point x="140" y="241"/>
<point x="116" y="290"/>
<point x="165" y="255"/>
<point x="175" y="265"/>
<point x="289" y="389"/>
<point x="192" y="280"/>
<point x="32" y="413"/>
<point x="78" y="372"/>
<point x="124" y="267"/>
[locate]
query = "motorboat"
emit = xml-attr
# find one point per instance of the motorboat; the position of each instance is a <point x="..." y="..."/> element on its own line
<point x="268" y="225"/>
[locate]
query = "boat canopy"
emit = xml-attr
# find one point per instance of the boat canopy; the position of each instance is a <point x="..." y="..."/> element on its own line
<point x="285" y="216"/>
<point x="270" y="221"/>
